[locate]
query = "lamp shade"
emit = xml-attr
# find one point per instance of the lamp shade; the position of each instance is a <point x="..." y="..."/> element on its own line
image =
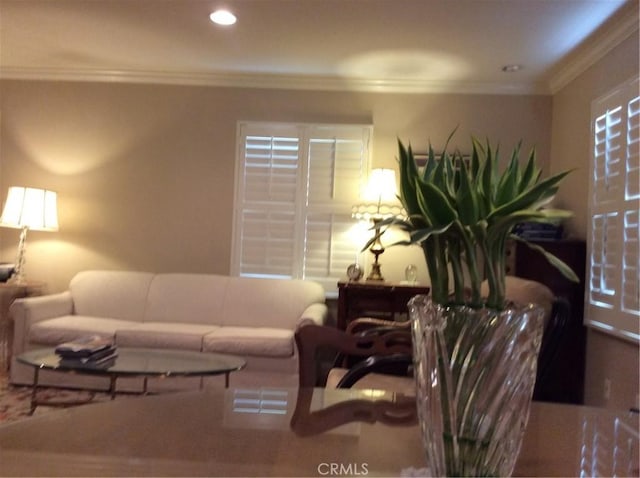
<point x="33" y="208"/>
<point x="381" y="186"/>
<point x="380" y="196"/>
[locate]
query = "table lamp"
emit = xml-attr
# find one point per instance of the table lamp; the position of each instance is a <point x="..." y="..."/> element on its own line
<point x="28" y="208"/>
<point x="380" y="201"/>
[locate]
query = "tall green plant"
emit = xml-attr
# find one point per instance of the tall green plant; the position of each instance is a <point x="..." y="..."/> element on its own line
<point x="461" y="212"/>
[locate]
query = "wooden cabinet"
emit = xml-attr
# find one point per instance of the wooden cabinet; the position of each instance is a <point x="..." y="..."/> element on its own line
<point x="566" y="382"/>
<point x="385" y="300"/>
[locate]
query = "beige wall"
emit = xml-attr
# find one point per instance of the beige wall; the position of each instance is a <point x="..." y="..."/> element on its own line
<point x="571" y="125"/>
<point x="145" y="173"/>
<point x="608" y="358"/>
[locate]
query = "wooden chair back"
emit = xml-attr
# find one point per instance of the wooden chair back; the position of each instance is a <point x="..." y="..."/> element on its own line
<point x="310" y="339"/>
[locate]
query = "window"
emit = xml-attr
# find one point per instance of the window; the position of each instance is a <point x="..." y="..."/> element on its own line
<point x="613" y="296"/>
<point x="295" y="186"/>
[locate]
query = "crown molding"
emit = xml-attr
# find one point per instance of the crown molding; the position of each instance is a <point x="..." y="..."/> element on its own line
<point x="291" y="82"/>
<point x="623" y="26"/>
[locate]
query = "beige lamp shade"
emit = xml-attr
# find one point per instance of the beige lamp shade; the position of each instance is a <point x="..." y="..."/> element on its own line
<point x="28" y="209"/>
<point x="33" y="208"/>
<point x="380" y="196"/>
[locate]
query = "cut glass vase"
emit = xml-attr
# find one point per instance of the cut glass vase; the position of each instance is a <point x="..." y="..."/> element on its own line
<point x="475" y="371"/>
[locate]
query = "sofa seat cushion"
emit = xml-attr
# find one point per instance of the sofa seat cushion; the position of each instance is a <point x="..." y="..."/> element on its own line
<point x="173" y="335"/>
<point x="257" y="341"/>
<point x="71" y="327"/>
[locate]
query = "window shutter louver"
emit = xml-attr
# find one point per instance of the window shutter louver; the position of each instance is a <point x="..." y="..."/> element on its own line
<point x="613" y="298"/>
<point x="632" y="190"/>
<point x="604" y="252"/>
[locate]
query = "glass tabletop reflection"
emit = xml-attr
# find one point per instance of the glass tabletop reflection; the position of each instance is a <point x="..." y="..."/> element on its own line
<point x="141" y="361"/>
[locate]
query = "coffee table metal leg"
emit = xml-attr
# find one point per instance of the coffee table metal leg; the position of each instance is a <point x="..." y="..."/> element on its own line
<point x="52" y="403"/>
<point x="226" y="379"/>
<point x="34" y="390"/>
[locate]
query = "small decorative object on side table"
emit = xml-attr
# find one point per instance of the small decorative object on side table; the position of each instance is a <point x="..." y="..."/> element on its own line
<point x="354" y="272"/>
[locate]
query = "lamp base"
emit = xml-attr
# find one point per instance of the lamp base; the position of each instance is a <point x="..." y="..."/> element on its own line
<point x="19" y="277"/>
<point x="375" y="274"/>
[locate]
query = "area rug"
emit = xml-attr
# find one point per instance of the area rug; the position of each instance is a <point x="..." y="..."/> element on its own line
<point x="15" y="401"/>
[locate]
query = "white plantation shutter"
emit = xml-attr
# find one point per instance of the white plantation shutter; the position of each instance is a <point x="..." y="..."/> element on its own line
<point x="295" y="185"/>
<point x="336" y="164"/>
<point x="328" y="247"/>
<point x="613" y="297"/>
<point x="266" y="197"/>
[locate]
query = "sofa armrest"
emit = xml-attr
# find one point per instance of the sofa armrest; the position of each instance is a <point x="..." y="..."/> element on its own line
<point x="30" y="310"/>
<point x="314" y="314"/>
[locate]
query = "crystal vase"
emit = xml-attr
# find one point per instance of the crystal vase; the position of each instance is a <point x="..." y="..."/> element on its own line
<point x="475" y="371"/>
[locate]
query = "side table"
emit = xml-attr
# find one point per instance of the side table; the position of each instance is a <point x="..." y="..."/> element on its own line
<point x="8" y="293"/>
<point x="383" y="300"/>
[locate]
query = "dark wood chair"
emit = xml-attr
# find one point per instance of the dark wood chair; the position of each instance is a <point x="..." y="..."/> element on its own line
<point x="379" y="352"/>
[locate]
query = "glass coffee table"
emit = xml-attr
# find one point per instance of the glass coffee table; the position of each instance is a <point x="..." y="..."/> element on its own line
<point x="134" y="362"/>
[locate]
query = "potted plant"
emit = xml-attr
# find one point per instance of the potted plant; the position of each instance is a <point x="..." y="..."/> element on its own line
<point x="475" y="356"/>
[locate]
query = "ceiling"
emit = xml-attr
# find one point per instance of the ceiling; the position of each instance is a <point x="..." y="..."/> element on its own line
<point x="364" y="45"/>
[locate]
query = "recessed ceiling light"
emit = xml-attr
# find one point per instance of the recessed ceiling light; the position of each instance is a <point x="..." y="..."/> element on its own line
<point x="223" y="17"/>
<point x="511" y="68"/>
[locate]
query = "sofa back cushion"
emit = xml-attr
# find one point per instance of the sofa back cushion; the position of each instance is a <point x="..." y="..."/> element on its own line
<point x="192" y="298"/>
<point x="251" y="302"/>
<point x="113" y="294"/>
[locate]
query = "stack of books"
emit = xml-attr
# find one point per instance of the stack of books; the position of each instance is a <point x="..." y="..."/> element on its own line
<point x="91" y="352"/>
<point x="538" y="231"/>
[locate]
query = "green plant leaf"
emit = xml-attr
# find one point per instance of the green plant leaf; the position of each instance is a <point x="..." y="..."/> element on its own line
<point x="466" y="197"/>
<point x="556" y="262"/>
<point x="507" y="188"/>
<point x="408" y="171"/>
<point x="431" y="164"/>
<point x="488" y="174"/>
<point x="438" y="178"/>
<point x="527" y="198"/>
<point x="420" y="235"/>
<point x="435" y="205"/>
<point x="531" y="173"/>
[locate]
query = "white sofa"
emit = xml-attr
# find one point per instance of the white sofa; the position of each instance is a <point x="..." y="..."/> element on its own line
<point x="250" y="317"/>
